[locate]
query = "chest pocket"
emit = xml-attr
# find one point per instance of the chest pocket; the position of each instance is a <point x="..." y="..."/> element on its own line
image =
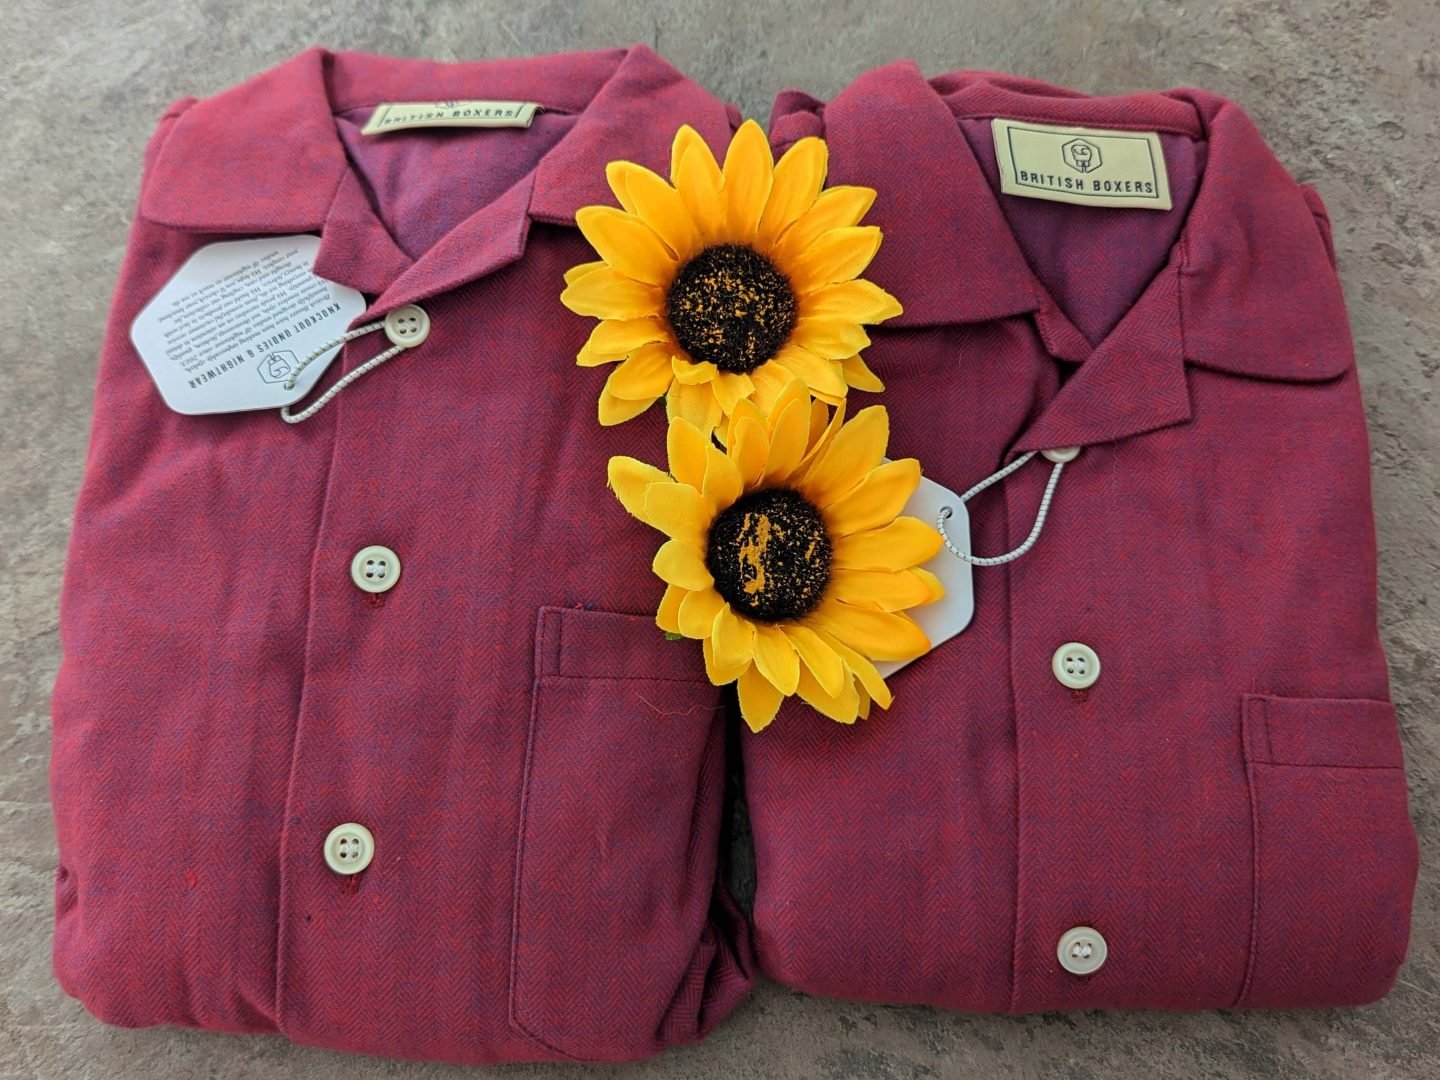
<point x="615" y="955"/>
<point x="1335" y="852"/>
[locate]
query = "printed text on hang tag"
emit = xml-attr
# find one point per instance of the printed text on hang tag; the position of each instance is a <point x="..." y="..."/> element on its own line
<point x="228" y="330"/>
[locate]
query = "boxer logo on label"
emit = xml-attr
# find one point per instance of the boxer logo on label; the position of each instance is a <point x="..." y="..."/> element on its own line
<point x="1081" y="156"/>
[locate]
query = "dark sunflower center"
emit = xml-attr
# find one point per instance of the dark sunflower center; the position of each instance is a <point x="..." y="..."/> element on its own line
<point x="769" y="554"/>
<point x="730" y="306"/>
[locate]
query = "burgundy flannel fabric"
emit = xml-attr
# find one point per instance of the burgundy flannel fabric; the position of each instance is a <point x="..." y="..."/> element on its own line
<point x="1226" y="805"/>
<point x="542" y="772"/>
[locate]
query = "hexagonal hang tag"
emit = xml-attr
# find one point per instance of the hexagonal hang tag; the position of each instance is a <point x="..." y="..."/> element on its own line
<point x="230" y="330"/>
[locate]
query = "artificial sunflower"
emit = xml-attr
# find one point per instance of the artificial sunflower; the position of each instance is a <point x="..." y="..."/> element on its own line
<point x="727" y="283"/>
<point x="786" y="556"/>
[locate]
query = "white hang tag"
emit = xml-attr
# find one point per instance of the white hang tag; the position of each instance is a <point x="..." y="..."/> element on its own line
<point x="233" y="324"/>
<point x="949" y="615"/>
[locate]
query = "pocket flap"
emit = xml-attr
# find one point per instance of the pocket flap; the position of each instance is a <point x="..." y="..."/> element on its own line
<point x="583" y="643"/>
<point x="1343" y="732"/>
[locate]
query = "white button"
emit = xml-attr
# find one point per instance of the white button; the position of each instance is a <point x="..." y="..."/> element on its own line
<point x="375" y="568"/>
<point x="408" y="326"/>
<point x="1061" y="453"/>
<point x="349" y="848"/>
<point x="1082" y="951"/>
<point x="1075" y="665"/>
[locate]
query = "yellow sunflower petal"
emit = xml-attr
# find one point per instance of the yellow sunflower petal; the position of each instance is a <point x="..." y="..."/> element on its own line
<point x="821" y="658"/>
<point x="629" y="478"/>
<point x="687" y="139"/>
<point x="723" y="483"/>
<point x="697" y="178"/>
<point x="833" y="338"/>
<point x="615" y="339"/>
<point x="858" y="374"/>
<point x="849" y="456"/>
<point x="903" y="543"/>
<point x="656" y="203"/>
<point x="837" y="255"/>
<point x="824" y="423"/>
<point x="679" y="562"/>
<point x="717" y="672"/>
<point x="695" y="403"/>
<point x="679" y="511"/>
<point x="864" y="709"/>
<point x="858" y="300"/>
<point x="734" y="639"/>
<point x="836" y="208"/>
<point x="794" y="392"/>
<point x="579" y="270"/>
<point x="876" y="500"/>
<point x="799" y="175"/>
<point x="731" y="388"/>
<point x="770" y="380"/>
<point x="787" y="442"/>
<point x="627" y="244"/>
<point x="643" y="376"/>
<point x="843" y="707"/>
<point x="691" y="373"/>
<point x="820" y="375"/>
<point x="614" y="410"/>
<point x="759" y="700"/>
<point x="749" y="448"/>
<point x="685" y="451"/>
<point x="874" y="634"/>
<point x="888" y="590"/>
<point x="932" y="582"/>
<point x="698" y="612"/>
<point x="749" y="170"/>
<point x="608" y="294"/>
<point x="863" y="670"/>
<point x="747" y="409"/>
<point x="819" y="421"/>
<point x="776" y="657"/>
<point x="668" y="617"/>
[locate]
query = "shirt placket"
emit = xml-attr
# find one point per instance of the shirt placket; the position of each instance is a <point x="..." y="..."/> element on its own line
<point x="1098" y="661"/>
<point x="349" y="873"/>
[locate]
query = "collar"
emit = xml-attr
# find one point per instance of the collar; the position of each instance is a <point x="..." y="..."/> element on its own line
<point x="265" y="157"/>
<point x="1227" y="300"/>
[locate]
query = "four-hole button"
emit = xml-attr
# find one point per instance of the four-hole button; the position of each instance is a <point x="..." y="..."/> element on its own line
<point x="1075" y="665"/>
<point x="375" y="569"/>
<point x="407" y="326"/>
<point x="349" y="848"/>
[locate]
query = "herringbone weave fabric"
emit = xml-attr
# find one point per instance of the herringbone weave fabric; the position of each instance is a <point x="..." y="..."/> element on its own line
<point x="1226" y="805"/>
<point x="542" y="772"/>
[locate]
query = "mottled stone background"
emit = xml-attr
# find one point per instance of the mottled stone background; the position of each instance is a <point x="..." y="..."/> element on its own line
<point x="1347" y="91"/>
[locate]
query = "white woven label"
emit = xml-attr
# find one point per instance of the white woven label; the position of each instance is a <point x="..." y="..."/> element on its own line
<point x="949" y="615"/>
<point x="397" y="115"/>
<point x="228" y="331"/>
<point x="1085" y="166"/>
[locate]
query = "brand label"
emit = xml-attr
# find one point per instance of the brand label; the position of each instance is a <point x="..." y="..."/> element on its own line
<point x="395" y="115"/>
<point x="1085" y="166"/>
<point x="230" y="329"/>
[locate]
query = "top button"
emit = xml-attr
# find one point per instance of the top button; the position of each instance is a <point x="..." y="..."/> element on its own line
<point x="407" y="326"/>
<point x="1061" y="453"/>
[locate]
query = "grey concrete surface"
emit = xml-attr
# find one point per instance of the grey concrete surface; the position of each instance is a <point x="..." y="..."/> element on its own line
<point x="1348" y="92"/>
